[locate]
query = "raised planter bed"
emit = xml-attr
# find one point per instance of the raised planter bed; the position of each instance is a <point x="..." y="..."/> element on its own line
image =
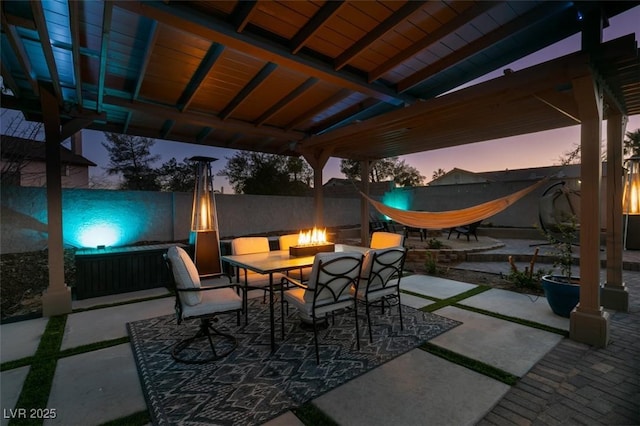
<point x="101" y="272"/>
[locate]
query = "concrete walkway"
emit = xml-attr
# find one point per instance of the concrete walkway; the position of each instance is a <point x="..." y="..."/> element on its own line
<point x="561" y="382"/>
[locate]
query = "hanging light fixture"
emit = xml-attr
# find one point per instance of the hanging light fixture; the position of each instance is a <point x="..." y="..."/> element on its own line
<point x="204" y="238"/>
<point x="631" y="203"/>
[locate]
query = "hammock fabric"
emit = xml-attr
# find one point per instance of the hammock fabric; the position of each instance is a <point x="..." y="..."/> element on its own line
<point x="452" y="218"/>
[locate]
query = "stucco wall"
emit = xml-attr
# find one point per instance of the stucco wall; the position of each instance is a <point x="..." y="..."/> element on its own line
<point x="96" y="217"/>
<point x="138" y="216"/>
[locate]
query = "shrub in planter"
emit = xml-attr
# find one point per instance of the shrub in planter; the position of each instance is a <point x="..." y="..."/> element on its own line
<point x="562" y="291"/>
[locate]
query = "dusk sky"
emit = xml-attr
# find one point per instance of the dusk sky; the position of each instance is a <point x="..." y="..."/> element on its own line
<point x="533" y="150"/>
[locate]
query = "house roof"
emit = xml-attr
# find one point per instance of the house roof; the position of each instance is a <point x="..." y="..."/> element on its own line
<point x="353" y="79"/>
<point x="12" y="148"/>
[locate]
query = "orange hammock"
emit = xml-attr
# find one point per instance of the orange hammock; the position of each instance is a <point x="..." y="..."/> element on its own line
<point x="452" y="218"/>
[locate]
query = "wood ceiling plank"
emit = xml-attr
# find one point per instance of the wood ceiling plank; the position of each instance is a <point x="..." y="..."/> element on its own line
<point x="242" y="13"/>
<point x="286" y="100"/>
<point x="387" y="25"/>
<point x="308" y="115"/>
<point x="21" y="54"/>
<point x="328" y="10"/>
<point x="432" y="38"/>
<point x="246" y="91"/>
<point x="212" y="29"/>
<point x="507" y="30"/>
<point x="201" y="119"/>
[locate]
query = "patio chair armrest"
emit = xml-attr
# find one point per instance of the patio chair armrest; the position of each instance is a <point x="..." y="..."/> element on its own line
<point x="286" y="279"/>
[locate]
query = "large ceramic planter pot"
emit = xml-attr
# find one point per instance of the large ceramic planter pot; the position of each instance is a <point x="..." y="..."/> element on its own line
<point x="561" y="295"/>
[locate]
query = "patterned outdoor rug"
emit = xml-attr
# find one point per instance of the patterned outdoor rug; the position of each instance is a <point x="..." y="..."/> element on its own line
<point x="252" y="385"/>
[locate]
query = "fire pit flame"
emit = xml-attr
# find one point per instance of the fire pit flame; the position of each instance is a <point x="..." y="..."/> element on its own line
<point x="312" y="237"/>
<point x="311" y="243"/>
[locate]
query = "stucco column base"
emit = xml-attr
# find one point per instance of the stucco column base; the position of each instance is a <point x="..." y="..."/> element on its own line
<point x="56" y="303"/>
<point x="590" y="328"/>
<point x="615" y="297"/>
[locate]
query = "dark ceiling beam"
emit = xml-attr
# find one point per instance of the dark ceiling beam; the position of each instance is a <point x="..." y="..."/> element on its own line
<point x="344" y="116"/>
<point x="293" y="95"/>
<point x="200" y="119"/>
<point x="151" y="41"/>
<point x="204" y="134"/>
<point x="430" y="39"/>
<point x="166" y="128"/>
<point x="379" y="31"/>
<point x="205" y="67"/>
<point x="318" y="20"/>
<point x="331" y="101"/>
<point x="47" y="50"/>
<point x="241" y="14"/>
<point x="76" y="124"/>
<point x="511" y="28"/>
<point x="185" y="19"/>
<point x="242" y="96"/>
<point x="21" y="54"/>
<point x="106" y="29"/>
<point x="74" y="29"/>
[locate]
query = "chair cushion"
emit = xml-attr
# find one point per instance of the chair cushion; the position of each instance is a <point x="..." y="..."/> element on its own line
<point x="377" y="274"/>
<point x="385" y="240"/>
<point x="185" y="274"/>
<point x="287" y="241"/>
<point x="249" y="245"/>
<point x="336" y="267"/>
<point x="214" y="301"/>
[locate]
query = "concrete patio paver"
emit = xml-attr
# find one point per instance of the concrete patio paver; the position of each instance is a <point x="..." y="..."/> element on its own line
<point x="119" y="298"/>
<point x="11" y="382"/>
<point x="503" y="344"/>
<point x="95" y="387"/>
<point x="440" y="288"/>
<point x="517" y="305"/>
<point x="21" y="339"/>
<point x="87" y="327"/>
<point x="416" y="388"/>
<point x="414" y="301"/>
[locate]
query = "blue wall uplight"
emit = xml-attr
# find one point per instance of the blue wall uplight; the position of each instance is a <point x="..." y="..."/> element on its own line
<point x="398" y="198"/>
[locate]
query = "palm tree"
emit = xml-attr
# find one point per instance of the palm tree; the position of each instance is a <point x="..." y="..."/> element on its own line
<point x="632" y="143"/>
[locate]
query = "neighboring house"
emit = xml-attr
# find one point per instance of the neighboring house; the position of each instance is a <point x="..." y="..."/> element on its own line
<point x="23" y="163"/>
<point x="457" y="176"/>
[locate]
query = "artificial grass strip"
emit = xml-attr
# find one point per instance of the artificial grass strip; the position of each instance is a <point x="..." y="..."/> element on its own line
<point x="472" y="364"/>
<point x="93" y="347"/>
<point x="516" y="320"/>
<point x="136" y="419"/>
<point x="17" y="363"/>
<point x="309" y="414"/>
<point x="124" y="302"/>
<point x="423" y="296"/>
<point x="454" y="299"/>
<point x="37" y="385"/>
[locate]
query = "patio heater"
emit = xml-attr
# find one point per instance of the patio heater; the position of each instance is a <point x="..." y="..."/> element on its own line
<point x="631" y="204"/>
<point x="204" y="240"/>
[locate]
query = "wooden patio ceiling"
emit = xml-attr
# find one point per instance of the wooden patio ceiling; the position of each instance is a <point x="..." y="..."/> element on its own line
<point x="355" y="79"/>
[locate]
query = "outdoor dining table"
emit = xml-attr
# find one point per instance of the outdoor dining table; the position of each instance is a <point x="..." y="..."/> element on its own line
<point x="278" y="261"/>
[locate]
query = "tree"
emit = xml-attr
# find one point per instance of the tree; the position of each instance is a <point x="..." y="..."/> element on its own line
<point x="385" y="169"/>
<point x="632" y="143"/>
<point x="266" y="174"/>
<point x="177" y="177"/>
<point x="438" y="173"/>
<point x="18" y="158"/>
<point x="131" y="157"/>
